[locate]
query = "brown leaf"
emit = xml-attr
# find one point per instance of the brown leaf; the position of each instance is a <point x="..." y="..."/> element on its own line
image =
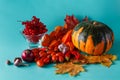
<point x="110" y="56"/>
<point x="93" y="59"/>
<point x="69" y="67"/>
<point x="107" y="64"/>
<point x="105" y="59"/>
<point x="74" y="67"/>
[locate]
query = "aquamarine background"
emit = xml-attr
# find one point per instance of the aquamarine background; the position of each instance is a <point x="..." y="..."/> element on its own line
<point x="52" y="13"/>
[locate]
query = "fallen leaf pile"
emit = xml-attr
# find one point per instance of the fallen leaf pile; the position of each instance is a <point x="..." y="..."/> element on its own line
<point x="74" y="67"/>
<point x="105" y="59"/>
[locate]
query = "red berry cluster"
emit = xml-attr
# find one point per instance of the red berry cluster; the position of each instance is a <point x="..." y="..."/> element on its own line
<point x="44" y="56"/>
<point x="34" y="27"/>
<point x="73" y="54"/>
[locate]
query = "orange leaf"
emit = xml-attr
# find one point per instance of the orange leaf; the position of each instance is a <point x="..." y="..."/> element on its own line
<point x="53" y="44"/>
<point x="71" y="46"/>
<point x="46" y="40"/>
<point x="69" y="67"/>
<point x="67" y="37"/>
<point x="52" y="35"/>
<point x="65" y="26"/>
<point x="58" y="28"/>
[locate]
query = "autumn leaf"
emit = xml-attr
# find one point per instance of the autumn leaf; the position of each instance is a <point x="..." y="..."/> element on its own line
<point x="105" y="59"/>
<point x="69" y="67"/>
<point x="74" y="67"/>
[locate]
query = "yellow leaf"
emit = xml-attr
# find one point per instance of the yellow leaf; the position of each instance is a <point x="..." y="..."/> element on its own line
<point x="69" y="67"/>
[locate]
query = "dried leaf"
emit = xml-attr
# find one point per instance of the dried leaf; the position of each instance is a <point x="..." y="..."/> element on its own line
<point x="79" y="61"/>
<point x="71" y="22"/>
<point x="114" y="57"/>
<point x="107" y="64"/>
<point x="74" y="67"/>
<point x="69" y="67"/>
<point x="110" y="56"/>
<point x="105" y="59"/>
<point x="93" y="59"/>
<point x="76" y="70"/>
<point x="46" y="40"/>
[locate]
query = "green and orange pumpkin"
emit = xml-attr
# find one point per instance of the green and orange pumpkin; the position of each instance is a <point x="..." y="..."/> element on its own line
<point x="92" y="37"/>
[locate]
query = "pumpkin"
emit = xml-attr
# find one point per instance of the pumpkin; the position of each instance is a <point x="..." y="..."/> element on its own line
<point x="92" y="37"/>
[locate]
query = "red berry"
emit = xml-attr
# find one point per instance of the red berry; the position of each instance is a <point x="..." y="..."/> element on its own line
<point x="40" y="63"/>
<point x="61" y="59"/>
<point x="34" y="27"/>
<point x="68" y="55"/>
<point x="46" y="60"/>
<point x="76" y="54"/>
<point x="55" y="58"/>
<point x="60" y="54"/>
<point x="42" y="54"/>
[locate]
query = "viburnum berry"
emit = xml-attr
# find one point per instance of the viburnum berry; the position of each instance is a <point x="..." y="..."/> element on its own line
<point x="34" y="27"/>
<point x="68" y="56"/>
<point x="40" y="63"/>
<point x="36" y="52"/>
<point x="61" y="59"/>
<point x="55" y="58"/>
<point x="42" y="54"/>
<point x="76" y="54"/>
<point x="46" y="60"/>
<point x="58" y="57"/>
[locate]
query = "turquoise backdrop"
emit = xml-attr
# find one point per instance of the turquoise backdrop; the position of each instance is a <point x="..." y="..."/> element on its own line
<point x="52" y="13"/>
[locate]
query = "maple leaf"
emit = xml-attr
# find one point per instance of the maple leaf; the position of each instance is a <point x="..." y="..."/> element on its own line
<point x="71" y="21"/>
<point x="105" y="59"/>
<point x="69" y="67"/>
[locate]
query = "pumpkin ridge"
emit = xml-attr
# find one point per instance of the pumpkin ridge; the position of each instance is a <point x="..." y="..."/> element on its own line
<point x="73" y="39"/>
<point x="85" y="33"/>
<point x="89" y="49"/>
<point x="82" y="46"/>
<point x="112" y="38"/>
<point x="109" y="44"/>
<point x="97" y="36"/>
<point x="103" y="34"/>
<point x="99" y="48"/>
<point x="107" y="32"/>
<point x="79" y="32"/>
